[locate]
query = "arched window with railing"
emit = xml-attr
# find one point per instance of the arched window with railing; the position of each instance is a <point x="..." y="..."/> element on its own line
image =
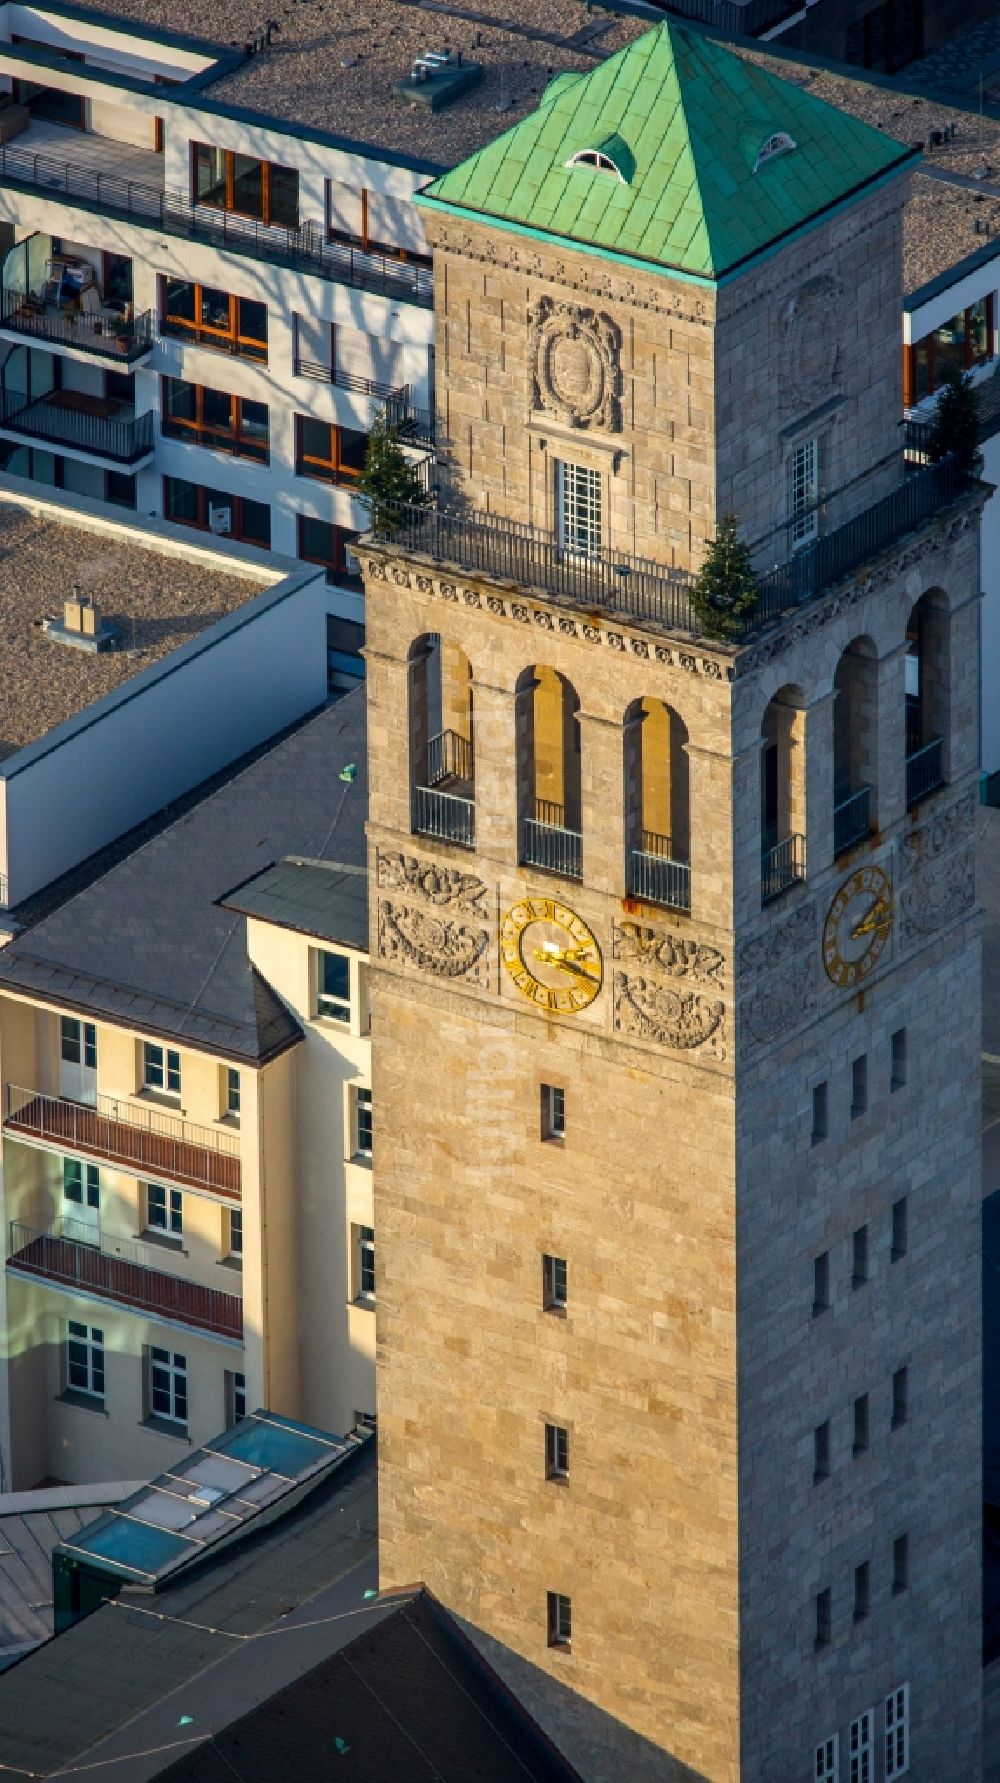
<point x="442" y="770"/>
<point x="549" y="790"/>
<point x="657" y="805"/>
<point x="928" y="676"/>
<point x="855" y="744"/>
<point x="782" y="794"/>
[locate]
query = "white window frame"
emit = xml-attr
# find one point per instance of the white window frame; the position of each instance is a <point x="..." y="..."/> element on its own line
<point x="88" y="1339"/>
<point x="167" y="1375"/>
<point x="897" y="1732"/>
<point x="560" y="1619"/>
<point x="556" y="1452"/>
<point x="85" y="1042"/>
<point x="861" y="1748"/>
<point x="364" y="1262"/>
<point x="803" y="481"/>
<point x="552" y="1300"/>
<point x="89" y="1183"/>
<point x="157" y="1073"/>
<point x="827" y="1767"/>
<point x="334" y="1007"/>
<point x="236" y="1397"/>
<point x="579" y="509"/>
<point x="172" y="1224"/>
<point x="233" y="1088"/>
<point x="553" y="1111"/>
<point x="234" y="1233"/>
<point x="362" y="1100"/>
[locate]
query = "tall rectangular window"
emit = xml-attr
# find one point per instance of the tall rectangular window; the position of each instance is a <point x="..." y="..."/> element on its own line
<point x="819" y="1117"/>
<point x="232" y="1092"/>
<point x="556" y="1452"/>
<point x="85" y="1359"/>
<point x="236" y="1397"/>
<point x="899" y="1229"/>
<point x="804" y="476"/>
<point x="900" y="1392"/>
<point x="362" y="1123"/>
<point x="898" y="1074"/>
<point x="167" y="1385"/>
<point x="82" y="1183"/>
<point x="897" y="1732"/>
<point x="821" y="1283"/>
<point x="228" y="180"/>
<point x="824" y="1617"/>
<point x="861" y="1748"/>
<point x="861" y="1423"/>
<point x="821" y="1451"/>
<point x="364" y="1262"/>
<point x="862" y="1590"/>
<point x="234" y="1233"/>
<point x="827" y="1768"/>
<point x="560" y="1619"/>
<point x="859" y="1257"/>
<point x="900" y="1564"/>
<point x="554" y="1283"/>
<point x="164" y="1210"/>
<point x="333" y="996"/>
<point x="161" y="1069"/>
<point x="78" y="1042"/>
<point x="553" y="1112"/>
<point x="859" y="1086"/>
<point x="579" y="521"/>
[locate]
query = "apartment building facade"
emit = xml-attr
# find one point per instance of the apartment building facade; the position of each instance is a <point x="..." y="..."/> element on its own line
<point x="680" y="1264"/>
<point x="187" y="1130"/>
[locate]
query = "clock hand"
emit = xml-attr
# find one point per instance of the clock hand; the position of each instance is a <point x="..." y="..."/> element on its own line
<point x="566" y="959"/>
<point x="878" y="917"/>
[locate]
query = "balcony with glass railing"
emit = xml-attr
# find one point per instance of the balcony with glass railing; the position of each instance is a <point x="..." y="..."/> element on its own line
<point x="119" y="1271"/>
<point x="655" y="876"/>
<point x="145" y="1141"/>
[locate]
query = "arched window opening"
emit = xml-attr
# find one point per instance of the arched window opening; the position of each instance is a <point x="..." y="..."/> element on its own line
<point x="778" y="143"/>
<point x="595" y="158"/>
<point x="855" y="744"/>
<point x="549" y="783"/>
<point x="927" y="703"/>
<point x="657" y="805"/>
<point x="782" y="794"/>
<point x="442" y="777"/>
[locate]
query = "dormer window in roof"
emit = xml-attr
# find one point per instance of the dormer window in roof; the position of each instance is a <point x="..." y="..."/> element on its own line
<point x="778" y="143"/>
<point x="596" y="158"/>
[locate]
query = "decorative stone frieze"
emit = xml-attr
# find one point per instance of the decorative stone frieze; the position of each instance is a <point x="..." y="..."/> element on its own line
<point x="440" y="886"/>
<point x="660" y="1012"/>
<point x="442" y="945"/>
<point x="574" y="365"/>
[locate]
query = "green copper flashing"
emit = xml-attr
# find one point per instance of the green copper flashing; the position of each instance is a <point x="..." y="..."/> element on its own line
<point x="674" y="153"/>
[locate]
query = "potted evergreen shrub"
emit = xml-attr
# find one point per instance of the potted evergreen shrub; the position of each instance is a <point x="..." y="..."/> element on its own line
<point x="726" y="591"/>
<point x="954" y="431"/>
<point x="390" y="482"/>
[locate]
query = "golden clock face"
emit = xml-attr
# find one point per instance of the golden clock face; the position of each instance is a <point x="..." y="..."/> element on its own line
<point x="858" y="926"/>
<point x="551" y="955"/>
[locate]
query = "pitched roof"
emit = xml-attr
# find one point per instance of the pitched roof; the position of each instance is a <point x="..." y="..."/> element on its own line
<point x="684" y="122"/>
<point x="147" y="946"/>
<point x="321" y="898"/>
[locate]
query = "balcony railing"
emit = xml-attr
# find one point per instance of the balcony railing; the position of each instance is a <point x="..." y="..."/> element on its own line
<point x="924" y="772"/>
<point x="443" y="815"/>
<point x="657" y="879"/>
<point x="551" y="847"/>
<point x="449" y="757"/>
<point x="731" y="17"/>
<point x="782" y="866"/>
<point x="109" y="1270"/>
<point x="47" y="418"/>
<point x="144" y="1141"/>
<point x="852" y="819"/>
<point x="105" y="336"/>
<point x="302" y="247"/>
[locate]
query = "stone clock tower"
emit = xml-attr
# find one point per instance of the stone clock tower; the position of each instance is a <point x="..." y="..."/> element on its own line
<point x="675" y="979"/>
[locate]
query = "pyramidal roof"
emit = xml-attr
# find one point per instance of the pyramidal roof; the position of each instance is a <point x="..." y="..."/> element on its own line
<point x="693" y="158"/>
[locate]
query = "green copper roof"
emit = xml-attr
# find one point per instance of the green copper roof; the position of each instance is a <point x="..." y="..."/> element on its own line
<point x="683" y="121"/>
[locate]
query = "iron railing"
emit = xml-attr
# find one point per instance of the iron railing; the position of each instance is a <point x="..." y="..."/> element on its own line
<point x="414" y="425"/>
<point x="550" y="812"/>
<point x="107" y="337"/>
<point x="146" y="1141"/>
<point x="729" y="16"/>
<point x="110" y="1270"/>
<point x="235" y="346"/>
<point x="449" y="757"/>
<point x="301" y="246"/>
<point x="443" y="815"/>
<point x="554" y="849"/>
<point x="924" y="771"/>
<point x="917" y="432"/>
<point x="347" y="380"/>
<point x="655" y="843"/>
<point x="657" y="879"/>
<point x="781" y="866"/>
<point x="125" y="441"/>
<point x="852" y="819"/>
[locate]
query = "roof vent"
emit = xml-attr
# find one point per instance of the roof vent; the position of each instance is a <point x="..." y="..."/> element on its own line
<point x="595" y="158"/>
<point x="778" y="143"/>
<point x="437" y="78"/>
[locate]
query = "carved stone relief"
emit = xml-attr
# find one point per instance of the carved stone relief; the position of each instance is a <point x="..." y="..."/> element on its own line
<point x="574" y="365"/>
<point x="942" y="831"/>
<point x="938" y="892"/>
<point x="780" y="967"/>
<point x="664" y="1002"/>
<point x="675" y="955"/>
<point x="810" y="336"/>
<point x="441" y="886"/>
<point x="442" y="945"/>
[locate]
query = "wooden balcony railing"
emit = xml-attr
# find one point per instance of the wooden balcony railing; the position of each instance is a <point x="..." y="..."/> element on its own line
<point x="145" y="1141"/>
<point x="55" y="1254"/>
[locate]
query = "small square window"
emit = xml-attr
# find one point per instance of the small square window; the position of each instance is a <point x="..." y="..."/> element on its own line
<point x="556" y="1452"/>
<point x="362" y="1123"/>
<point x="861" y="1424"/>
<point x="898" y="1077"/>
<point x="553" y="1112"/>
<point x="862" y="1591"/>
<point x="859" y="1087"/>
<point x="164" y="1210"/>
<point x="899" y="1229"/>
<point x="821" y="1451"/>
<point x="554" y="1284"/>
<point x="824" y="1617"/>
<point x="334" y="989"/>
<point x="161" y="1069"/>
<point x="859" y="1252"/>
<point x="900" y="1395"/>
<point x="900" y="1564"/>
<point x="560" y="1619"/>
<point x="821" y="1283"/>
<point x="819" y="1114"/>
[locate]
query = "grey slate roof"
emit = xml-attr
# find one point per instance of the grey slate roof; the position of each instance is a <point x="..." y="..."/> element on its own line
<point x="148" y="945"/>
<point x="27" y="1538"/>
<point x="319" y="898"/>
